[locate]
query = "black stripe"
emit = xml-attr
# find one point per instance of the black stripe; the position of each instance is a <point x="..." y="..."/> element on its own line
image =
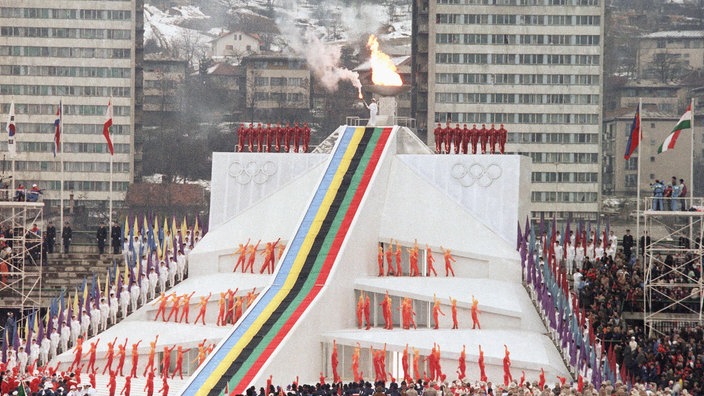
<point x="355" y="163"/>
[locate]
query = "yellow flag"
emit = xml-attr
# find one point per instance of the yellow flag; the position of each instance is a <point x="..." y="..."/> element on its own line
<point x="75" y="302"/>
<point x="126" y="276"/>
<point x="127" y="227"/>
<point x="195" y="227"/>
<point x="135" y="227"/>
<point x="107" y="286"/>
<point x="184" y="228"/>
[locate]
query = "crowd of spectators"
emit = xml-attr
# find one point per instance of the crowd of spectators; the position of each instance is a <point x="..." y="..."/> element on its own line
<point x="670" y="357"/>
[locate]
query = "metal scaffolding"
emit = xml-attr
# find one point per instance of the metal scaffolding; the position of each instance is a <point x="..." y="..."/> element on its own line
<point x="673" y="280"/>
<point x="21" y="256"/>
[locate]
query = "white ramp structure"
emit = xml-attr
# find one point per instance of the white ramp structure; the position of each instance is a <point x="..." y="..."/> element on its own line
<point x="332" y="211"/>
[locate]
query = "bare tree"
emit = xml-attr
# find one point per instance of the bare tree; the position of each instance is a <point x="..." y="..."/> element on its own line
<point x="252" y="97"/>
<point x="188" y="46"/>
<point x="667" y="67"/>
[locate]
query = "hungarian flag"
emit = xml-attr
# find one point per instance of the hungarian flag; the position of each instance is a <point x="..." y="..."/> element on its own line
<point x="106" y="127"/>
<point x="685" y="122"/>
<point x="57" y="130"/>
<point x="11" y="147"/>
<point x="635" y="136"/>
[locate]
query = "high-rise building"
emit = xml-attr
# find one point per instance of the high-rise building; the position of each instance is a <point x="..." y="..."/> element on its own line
<point x="534" y="66"/>
<point x="82" y="54"/>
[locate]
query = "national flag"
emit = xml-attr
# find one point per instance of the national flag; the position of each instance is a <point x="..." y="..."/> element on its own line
<point x="106" y="127"/>
<point x="635" y="136"/>
<point x="57" y="129"/>
<point x="685" y="122"/>
<point x="11" y="130"/>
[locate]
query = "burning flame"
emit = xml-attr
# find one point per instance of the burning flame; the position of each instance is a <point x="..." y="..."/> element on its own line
<point x="383" y="68"/>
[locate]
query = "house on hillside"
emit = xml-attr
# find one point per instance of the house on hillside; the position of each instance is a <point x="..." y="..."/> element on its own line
<point x="235" y="44"/>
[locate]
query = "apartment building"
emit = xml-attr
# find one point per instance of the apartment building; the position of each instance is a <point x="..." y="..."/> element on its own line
<point x="534" y="66"/>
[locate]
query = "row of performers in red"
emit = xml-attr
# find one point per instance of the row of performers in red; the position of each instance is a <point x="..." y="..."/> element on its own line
<point x="273" y="138"/>
<point x="449" y="139"/>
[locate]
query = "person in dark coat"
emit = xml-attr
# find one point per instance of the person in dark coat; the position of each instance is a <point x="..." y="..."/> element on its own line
<point x="66" y="236"/>
<point x="102" y="237"/>
<point x="116" y="237"/>
<point x="50" y="235"/>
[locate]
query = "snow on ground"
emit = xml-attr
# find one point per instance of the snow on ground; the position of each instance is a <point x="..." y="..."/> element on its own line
<point x="164" y="27"/>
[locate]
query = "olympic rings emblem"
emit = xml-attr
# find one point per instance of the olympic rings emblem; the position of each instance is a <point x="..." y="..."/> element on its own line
<point x="468" y="175"/>
<point x="244" y="173"/>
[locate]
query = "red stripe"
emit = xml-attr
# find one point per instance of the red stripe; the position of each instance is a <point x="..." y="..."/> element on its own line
<point x="325" y="269"/>
<point x="675" y="135"/>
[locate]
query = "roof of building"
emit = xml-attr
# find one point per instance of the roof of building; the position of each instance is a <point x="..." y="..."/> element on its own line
<point x="165" y="194"/>
<point x="680" y="34"/>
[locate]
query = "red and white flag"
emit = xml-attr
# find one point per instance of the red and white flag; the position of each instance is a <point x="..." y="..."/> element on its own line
<point x="106" y="127"/>
<point x="11" y="147"/>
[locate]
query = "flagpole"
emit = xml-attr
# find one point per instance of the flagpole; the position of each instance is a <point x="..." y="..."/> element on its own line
<point x="14" y="154"/>
<point x="60" y="150"/>
<point x="110" y="115"/>
<point x="640" y="152"/>
<point x="691" y="152"/>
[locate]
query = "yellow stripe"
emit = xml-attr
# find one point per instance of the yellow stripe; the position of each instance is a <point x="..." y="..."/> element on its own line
<point x="303" y="253"/>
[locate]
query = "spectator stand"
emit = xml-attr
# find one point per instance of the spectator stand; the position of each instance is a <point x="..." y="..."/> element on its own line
<point x="21" y="256"/>
<point x="673" y="281"/>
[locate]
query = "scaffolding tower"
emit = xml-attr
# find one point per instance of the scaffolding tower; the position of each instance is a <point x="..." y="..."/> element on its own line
<point x="21" y="257"/>
<point x="672" y="262"/>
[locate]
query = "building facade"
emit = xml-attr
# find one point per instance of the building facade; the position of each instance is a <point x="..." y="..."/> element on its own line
<point x="82" y="54"/>
<point x="534" y="66"/>
<point x="666" y="56"/>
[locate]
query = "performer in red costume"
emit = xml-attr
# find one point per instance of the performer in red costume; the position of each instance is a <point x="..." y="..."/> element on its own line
<point x="416" y="359"/>
<point x="222" y="305"/>
<point x="109" y="356"/>
<point x="238" y="309"/>
<point x="149" y="386"/>
<point x="466" y="137"/>
<point x="287" y="133"/>
<point x="135" y="359"/>
<point x="150" y="358"/>
<point x="503" y="137"/>
<point x="112" y="384"/>
<point x="270" y="137"/>
<point x="438" y="367"/>
<point x="91" y="356"/>
<point x="439" y="138"/>
<point x="475" y="313"/>
<point x="449" y="131"/>
<point x="164" y="387"/>
<point x="241" y="253"/>
<point x="360" y="310"/>
<point x="462" y="368"/>
<point x="448" y="261"/>
<point x="453" y="305"/>
<point x="429" y="259"/>
<point x="186" y="306"/>
<point x="413" y="259"/>
<point x="203" y="306"/>
<point x="523" y="378"/>
<point x="457" y="138"/>
<point x="269" y="254"/>
<point x="241" y="137"/>
<point x="493" y="139"/>
<point x="507" y="366"/>
<point x="436" y="311"/>
<point x="121" y="354"/>
<point x="261" y="137"/>
<point x="399" y="270"/>
<point x="474" y="137"/>
<point x="166" y="361"/>
<point x="367" y="311"/>
<point x="480" y="361"/>
<point x="389" y="258"/>
<point x="541" y="382"/>
<point x="380" y="259"/>
<point x="128" y="386"/>
<point x="78" y="353"/>
<point x="179" y="361"/>
<point x="163" y="301"/>
<point x="280" y="132"/>
<point x="252" y="256"/>
<point x="334" y="362"/>
<point x="483" y="138"/>
<point x="175" y="306"/>
<point x="386" y="310"/>
<point x="297" y="132"/>
<point x="432" y="363"/>
<point x="355" y="364"/>
<point x="251" y="137"/>
<point x="405" y="365"/>
<point x="306" y="137"/>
